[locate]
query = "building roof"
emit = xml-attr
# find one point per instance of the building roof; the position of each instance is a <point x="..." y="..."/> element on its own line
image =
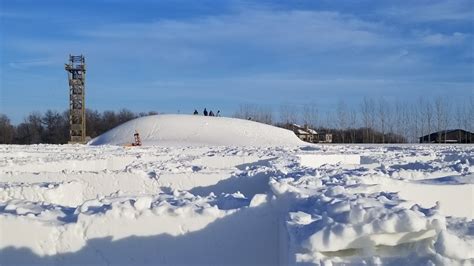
<point x="446" y="132"/>
<point x="303" y="131"/>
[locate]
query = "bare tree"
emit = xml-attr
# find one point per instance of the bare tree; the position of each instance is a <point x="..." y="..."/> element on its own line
<point x="288" y="114"/>
<point x="414" y="123"/>
<point x="398" y="119"/>
<point x="6" y="130"/>
<point x="265" y="115"/>
<point x="255" y="112"/>
<point x="310" y="115"/>
<point x="368" y="118"/>
<point x="441" y="112"/>
<point x="460" y="116"/>
<point x="243" y="112"/>
<point x="448" y="116"/>
<point x="466" y="118"/>
<point x="389" y="121"/>
<point x="353" y="124"/>
<point x="342" y="119"/>
<point x="31" y="130"/>
<point x="428" y="113"/>
<point x="422" y="117"/>
<point x="125" y="115"/>
<point x="108" y="120"/>
<point x="330" y="121"/>
<point x="406" y="118"/>
<point x="382" y="116"/>
<point x="55" y="127"/>
<point x="93" y="119"/>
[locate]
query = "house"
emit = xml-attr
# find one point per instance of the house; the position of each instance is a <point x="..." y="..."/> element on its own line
<point x="449" y="136"/>
<point x="304" y="133"/>
<point x="308" y="134"/>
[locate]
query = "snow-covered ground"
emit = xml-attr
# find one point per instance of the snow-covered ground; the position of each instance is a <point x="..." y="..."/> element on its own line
<point x="245" y="199"/>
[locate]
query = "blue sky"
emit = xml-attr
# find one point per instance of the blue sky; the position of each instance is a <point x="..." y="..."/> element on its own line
<point x="179" y="55"/>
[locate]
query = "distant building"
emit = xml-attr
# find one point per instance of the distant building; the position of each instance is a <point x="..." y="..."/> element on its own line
<point x="449" y="136"/>
<point x="310" y="135"/>
<point x="304" y="133"/>
<point x="325" y="138"/>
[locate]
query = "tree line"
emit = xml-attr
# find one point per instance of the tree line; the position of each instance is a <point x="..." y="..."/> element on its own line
<point x="373" y="120"/>
<point x="53" y="126"/>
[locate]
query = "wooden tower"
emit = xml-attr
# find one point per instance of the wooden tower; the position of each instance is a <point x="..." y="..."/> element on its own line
<point x="76" y="69"/>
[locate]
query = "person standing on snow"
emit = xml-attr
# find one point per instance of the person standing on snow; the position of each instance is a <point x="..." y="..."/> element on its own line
<point x="205" y="112"/>
<point x="138" y="141"/>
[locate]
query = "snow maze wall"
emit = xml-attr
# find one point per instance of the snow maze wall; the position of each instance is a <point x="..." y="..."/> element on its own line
<point x="234" y="205"/>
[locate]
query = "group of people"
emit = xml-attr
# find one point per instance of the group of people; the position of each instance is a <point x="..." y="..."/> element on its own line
<point x="206" y="113"/>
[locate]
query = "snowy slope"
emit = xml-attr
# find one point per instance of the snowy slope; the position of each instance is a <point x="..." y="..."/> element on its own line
<point x="197" y="130"/>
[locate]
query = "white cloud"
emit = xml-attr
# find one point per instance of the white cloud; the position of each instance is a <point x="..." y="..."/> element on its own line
<point x="439" y="39"/>
<point x="243" y="41"/>
<point x="432" y="11"/>
<point x="270" y="31"/>
<point x="25" y="64"/>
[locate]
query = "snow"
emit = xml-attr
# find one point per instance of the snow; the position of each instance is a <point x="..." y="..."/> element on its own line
<point x="317" y="160"/>
<point x="242" y="204"/>
<point x="197" y="130"/>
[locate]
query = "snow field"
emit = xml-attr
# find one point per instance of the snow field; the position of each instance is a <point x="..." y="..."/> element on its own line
<point x="237" y="205"/>
<point x="264" y="206"/>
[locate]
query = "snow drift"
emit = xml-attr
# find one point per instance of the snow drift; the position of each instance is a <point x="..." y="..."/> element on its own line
<point x="197" y="130"/>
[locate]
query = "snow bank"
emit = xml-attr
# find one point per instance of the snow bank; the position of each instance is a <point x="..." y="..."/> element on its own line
<point x="197" y="130"/>
<point x="173" y="228"/>
<point x="329" y="218"/>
